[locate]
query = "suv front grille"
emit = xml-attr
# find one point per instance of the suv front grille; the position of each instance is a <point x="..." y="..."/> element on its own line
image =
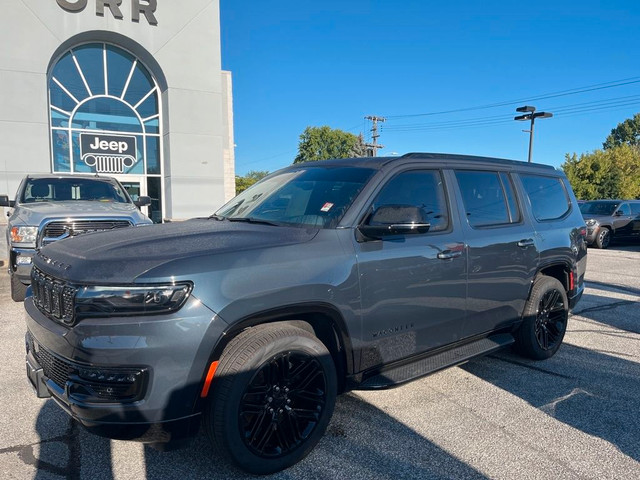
<point x="53" y="297"/>
<point x="61" y="229"/>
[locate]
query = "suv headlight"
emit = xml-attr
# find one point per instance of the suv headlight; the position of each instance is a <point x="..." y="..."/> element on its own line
<point x="591" y="222"/>
<point x="24" y="235"/>
<point x="133" y="300"/>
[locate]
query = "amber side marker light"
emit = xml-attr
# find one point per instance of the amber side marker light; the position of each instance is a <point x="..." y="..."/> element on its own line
<point x="207" y="381"/>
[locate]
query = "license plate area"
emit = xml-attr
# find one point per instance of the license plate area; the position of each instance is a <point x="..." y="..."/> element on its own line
<point x="36" y="377"/>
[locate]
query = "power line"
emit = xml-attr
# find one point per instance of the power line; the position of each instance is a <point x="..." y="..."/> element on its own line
<point x="563" y="111"/>
<point x="562" y="93"/>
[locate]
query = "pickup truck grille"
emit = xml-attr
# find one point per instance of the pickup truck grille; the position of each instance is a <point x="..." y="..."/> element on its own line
<point x="53" y="297"/>
<point x="62" y="229"/>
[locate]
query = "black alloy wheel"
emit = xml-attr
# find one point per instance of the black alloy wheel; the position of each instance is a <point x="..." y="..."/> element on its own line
<point x="551" y="320"/>
<point x="282" y="404"/>
<point x="272" y="397"/>
<point x="544" y="320"/>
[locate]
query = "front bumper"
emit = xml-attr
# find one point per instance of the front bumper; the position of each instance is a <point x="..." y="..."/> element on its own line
<point x="592" y="234"/>
<point x="172" y="351"/>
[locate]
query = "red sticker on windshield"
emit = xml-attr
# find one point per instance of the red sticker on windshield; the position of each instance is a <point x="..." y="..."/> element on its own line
<point x="326" y="207"/>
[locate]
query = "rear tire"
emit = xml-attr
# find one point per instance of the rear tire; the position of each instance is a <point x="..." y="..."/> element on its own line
<point x="272" y="397"/>
<point x="604" y="238"/>
<point x="545" y="319"/>
<point x="18" y="289"/>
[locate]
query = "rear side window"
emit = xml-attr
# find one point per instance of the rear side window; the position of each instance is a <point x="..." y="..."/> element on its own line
<point x="548" y="197"/>
<point x="488" y="198"/>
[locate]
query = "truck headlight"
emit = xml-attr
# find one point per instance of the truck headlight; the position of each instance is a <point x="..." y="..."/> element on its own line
<point x="591" y="222"/>
<point x="24" y="235"/>
<point x="130" y="300"/>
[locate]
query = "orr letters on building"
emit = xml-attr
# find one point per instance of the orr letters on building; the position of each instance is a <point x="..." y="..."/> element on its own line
<point x="145" y="7"/>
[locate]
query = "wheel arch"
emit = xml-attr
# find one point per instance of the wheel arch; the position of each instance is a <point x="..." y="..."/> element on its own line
<point x="323" y="320"/>
<point x="560" y="271"/>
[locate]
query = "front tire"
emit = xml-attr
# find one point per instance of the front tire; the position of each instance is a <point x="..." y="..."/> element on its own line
<point x="272" y="397"/>
<point x="604" y="238"/>
<point x="545" y="319"/>
<point x="18" y="289"/>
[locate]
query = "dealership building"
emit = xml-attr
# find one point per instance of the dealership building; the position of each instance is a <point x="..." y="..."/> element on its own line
<point x="127" y="88"/>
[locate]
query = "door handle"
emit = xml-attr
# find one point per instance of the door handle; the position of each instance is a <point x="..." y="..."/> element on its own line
<point x="527" y="242"/>
<point x="448" y="254"/>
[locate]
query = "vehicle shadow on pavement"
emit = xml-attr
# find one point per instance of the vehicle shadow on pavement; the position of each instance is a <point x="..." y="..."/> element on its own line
<point x="599" y="309"/>
<point x="361" y="442"/>
<point x="585" y="389"/>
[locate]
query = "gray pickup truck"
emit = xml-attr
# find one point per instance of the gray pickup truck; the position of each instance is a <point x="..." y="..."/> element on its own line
<point x="53" y="207"/>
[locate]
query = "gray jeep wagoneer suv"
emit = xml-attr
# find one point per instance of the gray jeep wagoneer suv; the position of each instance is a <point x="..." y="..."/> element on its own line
<point x="323" y="277"/>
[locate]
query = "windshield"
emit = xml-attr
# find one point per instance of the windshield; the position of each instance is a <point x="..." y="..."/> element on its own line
<point x="598" y="208"/>
<point x="71" y="189"/>
<point x="316" y="197"/>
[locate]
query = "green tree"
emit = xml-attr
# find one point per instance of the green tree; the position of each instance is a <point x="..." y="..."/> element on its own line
<point x="626" y="132"/>
<point x="323" y="143"/>
<point x="611" y="173"/>
<point x="359" y="149"/>
<point x="242" y="183"/>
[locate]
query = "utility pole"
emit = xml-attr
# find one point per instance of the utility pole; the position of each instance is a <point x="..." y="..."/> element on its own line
<point x="372" y="148"/>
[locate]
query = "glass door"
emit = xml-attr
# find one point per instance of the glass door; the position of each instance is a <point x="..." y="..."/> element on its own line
<point x="135" y="187"/>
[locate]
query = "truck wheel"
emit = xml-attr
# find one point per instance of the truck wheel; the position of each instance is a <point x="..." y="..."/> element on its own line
<point x="604" y="238"/>
<point x="18" y="289"/>
<point x="272" y="397"/>
<point x="545" y="319"/>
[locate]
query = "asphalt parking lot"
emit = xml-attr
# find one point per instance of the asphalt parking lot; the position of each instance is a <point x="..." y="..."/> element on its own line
<point x="576" y="415"/>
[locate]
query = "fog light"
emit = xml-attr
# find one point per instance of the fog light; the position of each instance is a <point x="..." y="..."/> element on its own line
<point x="20" y="260"/>
<point x="95" y="384"/>
<point x="108" y="376"/>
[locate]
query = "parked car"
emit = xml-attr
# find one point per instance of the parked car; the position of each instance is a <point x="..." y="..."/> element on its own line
<point x="48" y="208"/>
<point x="611" y="219"/>
<point x="322" y="278"/>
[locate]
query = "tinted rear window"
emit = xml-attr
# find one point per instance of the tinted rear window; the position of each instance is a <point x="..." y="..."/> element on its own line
<point x="488" y="198"/>
<point x="549" y="199"/>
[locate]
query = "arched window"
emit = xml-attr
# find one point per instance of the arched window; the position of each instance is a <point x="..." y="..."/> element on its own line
<point x="104" y="113"/>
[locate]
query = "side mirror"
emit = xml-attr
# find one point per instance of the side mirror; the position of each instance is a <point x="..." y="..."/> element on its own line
<point x="394" y="220"/>
<point x="618" y="213"/>
<point x="5" y="202"/>
<point x="142" y="201"/>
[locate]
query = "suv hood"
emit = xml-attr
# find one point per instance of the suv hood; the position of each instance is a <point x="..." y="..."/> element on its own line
<point x="34" y="213"/>
<point x="120" y="256"/>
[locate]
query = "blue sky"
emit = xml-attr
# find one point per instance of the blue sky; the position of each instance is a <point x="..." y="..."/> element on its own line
<point x="306" y="63"/>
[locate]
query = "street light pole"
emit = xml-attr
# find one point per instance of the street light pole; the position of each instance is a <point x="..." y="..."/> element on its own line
<point x="531" y="115"/>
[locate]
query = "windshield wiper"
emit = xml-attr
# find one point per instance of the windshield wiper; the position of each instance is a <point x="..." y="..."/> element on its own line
<point x="252" y="220"/>
<point x="216" y="217"/>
